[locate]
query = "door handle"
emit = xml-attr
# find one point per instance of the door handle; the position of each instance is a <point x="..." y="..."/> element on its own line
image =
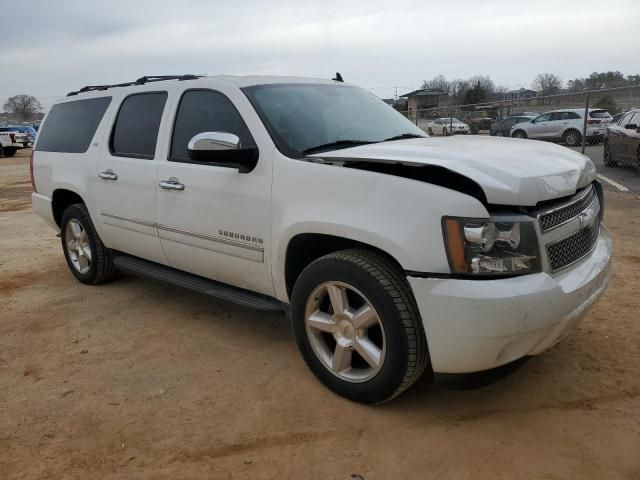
<point x="171" y="184"/>
<point x="108" y="175"/>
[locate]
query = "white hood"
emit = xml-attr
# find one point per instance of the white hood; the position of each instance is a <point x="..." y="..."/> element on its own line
<point x="510" y="171"/>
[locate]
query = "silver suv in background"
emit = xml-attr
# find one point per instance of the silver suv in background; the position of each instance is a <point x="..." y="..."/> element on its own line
<point x="565" y="126"/>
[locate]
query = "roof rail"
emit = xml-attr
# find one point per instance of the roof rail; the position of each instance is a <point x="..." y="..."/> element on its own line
<point x="139" y="81"/>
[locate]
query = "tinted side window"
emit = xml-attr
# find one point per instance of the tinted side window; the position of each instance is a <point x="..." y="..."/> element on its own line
<point x="509" y="122"/>
<point x="205" y="111"/>
<point x="70" y="126"/>
<point x="573" y="116"/>
<point x="136" y="129"/>
<point x="543" y="118"/>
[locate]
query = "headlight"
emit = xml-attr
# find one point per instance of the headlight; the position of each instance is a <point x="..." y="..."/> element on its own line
<point x="491" y="247"/>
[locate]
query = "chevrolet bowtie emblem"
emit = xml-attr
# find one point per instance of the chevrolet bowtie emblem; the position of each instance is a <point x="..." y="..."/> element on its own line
<point x="588" y="217"/>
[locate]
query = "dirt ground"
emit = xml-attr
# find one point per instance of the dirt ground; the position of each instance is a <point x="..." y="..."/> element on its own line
<point x="136" y="379"/>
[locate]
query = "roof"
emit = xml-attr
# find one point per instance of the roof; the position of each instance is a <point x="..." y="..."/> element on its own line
<point x="239" y="80"/>
<point x="424" y="92"/>
<point x="521" y="90"/>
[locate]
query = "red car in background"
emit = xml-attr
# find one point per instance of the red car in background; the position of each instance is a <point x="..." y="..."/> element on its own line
<point x="622" y="142"/>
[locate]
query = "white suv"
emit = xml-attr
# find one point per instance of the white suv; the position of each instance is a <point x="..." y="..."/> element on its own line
<point x="565" y="126"/>
<point x="392" y="253"/>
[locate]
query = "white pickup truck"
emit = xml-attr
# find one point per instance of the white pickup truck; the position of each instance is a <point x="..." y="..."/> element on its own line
<point x="392" y="252"/>
<point x="11" y="142"/>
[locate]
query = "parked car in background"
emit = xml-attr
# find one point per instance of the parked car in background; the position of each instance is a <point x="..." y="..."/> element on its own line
<point x="622" y="142"/>
<point x="28" y="131"/>
<point x="447" y="126"/>
<point x="12" y="141"/>
<point x="565" y="126"/>
<point x="502" y="128"/>
<point x="616" y="118"/>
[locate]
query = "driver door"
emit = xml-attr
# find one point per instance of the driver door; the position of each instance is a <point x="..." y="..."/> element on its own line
<point x="212" y="220"/>
<point x="540" y="127"/>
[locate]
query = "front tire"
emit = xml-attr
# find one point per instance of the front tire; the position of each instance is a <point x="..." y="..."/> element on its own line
<point x="519" y="134"/>
<point x="88" y="259"/>
<point x="357" y="326"/>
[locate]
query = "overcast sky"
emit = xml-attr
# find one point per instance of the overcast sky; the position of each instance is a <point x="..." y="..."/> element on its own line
<point x="63" y="45"/>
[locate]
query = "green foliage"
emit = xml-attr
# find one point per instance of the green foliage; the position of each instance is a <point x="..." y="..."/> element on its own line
<point x="607" y="103"/>
<point x="477" y="94"/>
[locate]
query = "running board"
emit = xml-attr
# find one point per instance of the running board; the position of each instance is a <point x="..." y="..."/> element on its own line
<point x="196" y="283"/>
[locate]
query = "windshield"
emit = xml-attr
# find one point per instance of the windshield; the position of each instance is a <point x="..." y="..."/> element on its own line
<point x="300" y="117"/>
<point x="450" y="120"/>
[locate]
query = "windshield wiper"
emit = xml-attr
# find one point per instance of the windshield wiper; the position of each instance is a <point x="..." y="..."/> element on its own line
<point x="402" y="136"/>
<point x="337" y="143"/>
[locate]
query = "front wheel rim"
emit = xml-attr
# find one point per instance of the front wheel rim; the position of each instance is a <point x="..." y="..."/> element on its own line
<point x="78" y="246"/>
<point x="345" y="332"/>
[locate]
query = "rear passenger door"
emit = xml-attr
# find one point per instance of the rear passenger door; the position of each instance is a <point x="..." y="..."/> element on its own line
<point x="126" y="177"/>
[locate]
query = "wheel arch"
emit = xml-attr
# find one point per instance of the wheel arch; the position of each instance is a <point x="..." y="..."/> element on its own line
<point x="61" y="199"/>
<point x="304" y="248"/>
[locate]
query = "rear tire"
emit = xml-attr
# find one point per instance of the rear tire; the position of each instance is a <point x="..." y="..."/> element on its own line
<point x="572" y="138"/>
<point x="519" y="134"/>
<point x="331" y="338"/>
<point x="9" y="151"/>
<point x="607" y="157"/>
<point x="87" y="257"/>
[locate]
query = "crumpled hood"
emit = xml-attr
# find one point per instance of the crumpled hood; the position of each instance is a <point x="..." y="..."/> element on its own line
<point x="510" y="171"/>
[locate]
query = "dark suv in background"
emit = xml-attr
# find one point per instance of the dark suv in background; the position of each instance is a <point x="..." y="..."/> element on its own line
<point x="622" y="142"/>
<point x="502" y="128"/>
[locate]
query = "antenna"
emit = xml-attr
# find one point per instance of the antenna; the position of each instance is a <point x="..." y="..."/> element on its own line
<point x="338" y="77"/>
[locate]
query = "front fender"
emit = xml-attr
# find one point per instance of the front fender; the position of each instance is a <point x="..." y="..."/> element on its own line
<point x="397" y="215"/>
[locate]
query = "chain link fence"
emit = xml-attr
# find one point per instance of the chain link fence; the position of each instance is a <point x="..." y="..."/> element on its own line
<point x="603" y="124"/>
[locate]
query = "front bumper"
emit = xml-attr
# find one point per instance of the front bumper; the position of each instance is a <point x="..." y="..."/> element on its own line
<point x="474" y="325"/>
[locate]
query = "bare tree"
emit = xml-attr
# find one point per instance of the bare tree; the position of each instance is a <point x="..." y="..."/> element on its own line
<point x="439" y="83"/>
<point x="24" y="107"/>
<point x="547" y="83"/>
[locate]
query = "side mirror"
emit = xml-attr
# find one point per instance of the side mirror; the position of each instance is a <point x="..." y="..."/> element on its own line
<point x="222" y="149"/>
<point x="206" y="141"/>
<point x="631" y="126"/>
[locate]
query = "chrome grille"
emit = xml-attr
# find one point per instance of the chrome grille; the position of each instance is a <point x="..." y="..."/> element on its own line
<point x="563" y="213"/>
<point x="572" y="248"/>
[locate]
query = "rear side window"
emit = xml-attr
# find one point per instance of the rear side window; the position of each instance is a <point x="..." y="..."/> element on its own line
<point x="599" y="114"/>
<point x="205" y="111"/>
<point x="136" y="129"/>
<point x="70" y="126"/>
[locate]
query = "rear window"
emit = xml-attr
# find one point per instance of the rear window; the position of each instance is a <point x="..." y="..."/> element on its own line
<point x="136" y="129"/>
<point x="70" y="126"/>
<point x="599" y="114"/>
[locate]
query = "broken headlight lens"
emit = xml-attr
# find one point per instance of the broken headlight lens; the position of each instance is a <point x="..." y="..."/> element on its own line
<point x="491" y="247"/>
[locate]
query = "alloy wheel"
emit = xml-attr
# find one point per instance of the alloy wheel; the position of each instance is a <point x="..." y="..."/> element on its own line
<point x="345" y="332"/>
<point x="78" y="246"/>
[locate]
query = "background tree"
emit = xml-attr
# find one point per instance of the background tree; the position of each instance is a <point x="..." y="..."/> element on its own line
<point x="607" y="103"/>
<point x="23" y="107"/>
<point x="547" y="83"/>
<point x="439" y="82"/>
<point x="478" y="94"/>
